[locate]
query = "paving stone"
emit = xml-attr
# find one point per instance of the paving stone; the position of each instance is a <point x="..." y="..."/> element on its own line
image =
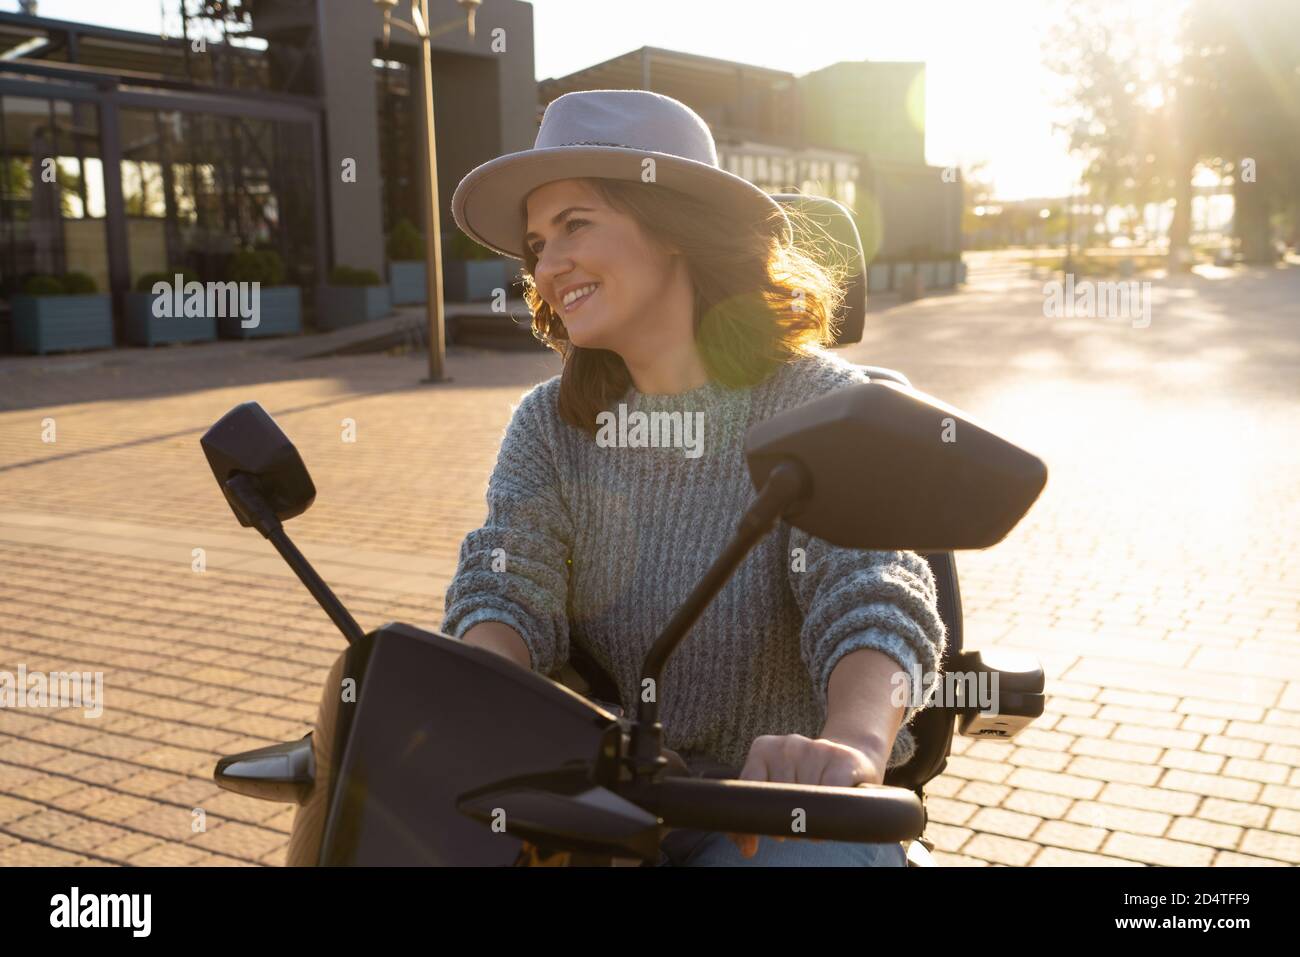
<point x="1156" y="850"/>
<point x="1167" y="631"/>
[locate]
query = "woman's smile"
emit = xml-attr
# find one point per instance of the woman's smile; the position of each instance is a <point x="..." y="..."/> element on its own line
<point x="582" y="299"/>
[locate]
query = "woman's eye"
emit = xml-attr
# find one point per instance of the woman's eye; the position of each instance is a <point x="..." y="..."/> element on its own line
<point x="536" y="248"/>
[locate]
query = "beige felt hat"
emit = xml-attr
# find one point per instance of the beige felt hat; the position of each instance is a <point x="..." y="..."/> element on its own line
<point x="604" y="133"/>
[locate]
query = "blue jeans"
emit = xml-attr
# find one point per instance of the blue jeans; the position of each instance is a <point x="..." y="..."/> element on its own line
<point x="683" y="847"/>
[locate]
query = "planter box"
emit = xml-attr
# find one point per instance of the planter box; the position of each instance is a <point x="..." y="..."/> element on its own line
<point x="903" y="274"/>
<point x="56" y="323"/>
<point x="878" y="278"/>
<point x="407" y="282"/>
<point x="927" y="270"/>
<point x="961" y="272"/>
<point x="476" y="280"/>
<point x="143" y="328"/>
<point x="279" y="314"/>
<point x="944" y="274"/>
<point x="339" y="306"/>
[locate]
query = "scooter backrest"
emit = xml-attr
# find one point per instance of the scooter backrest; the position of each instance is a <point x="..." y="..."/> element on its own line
<point x="834" y="240"/>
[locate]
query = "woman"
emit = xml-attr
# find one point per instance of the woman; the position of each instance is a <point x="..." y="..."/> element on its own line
<point x="671" y="286"/>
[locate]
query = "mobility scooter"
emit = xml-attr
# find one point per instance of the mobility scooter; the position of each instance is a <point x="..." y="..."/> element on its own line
<point x="428" y="751"/>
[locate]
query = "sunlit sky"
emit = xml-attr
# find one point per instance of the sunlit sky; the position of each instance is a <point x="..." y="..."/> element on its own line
<point x="988" y="94"/>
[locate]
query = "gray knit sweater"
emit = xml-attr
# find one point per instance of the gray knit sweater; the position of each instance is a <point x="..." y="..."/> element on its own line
<point x="597" y="545"/>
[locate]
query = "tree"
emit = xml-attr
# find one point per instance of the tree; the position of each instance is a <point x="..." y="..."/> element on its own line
<point x="1127" y="109"/>
<point x="1241" y="73"/>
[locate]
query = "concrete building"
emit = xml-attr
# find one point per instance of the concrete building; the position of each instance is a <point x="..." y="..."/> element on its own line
<point x="291" y="125"/>
<point x="854" y="131"/>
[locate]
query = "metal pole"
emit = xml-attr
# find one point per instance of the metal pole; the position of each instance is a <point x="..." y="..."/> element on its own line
<point x="432" y="225"/>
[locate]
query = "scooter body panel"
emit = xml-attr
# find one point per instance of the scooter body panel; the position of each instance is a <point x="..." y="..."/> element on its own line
<point x="424" y="719"/>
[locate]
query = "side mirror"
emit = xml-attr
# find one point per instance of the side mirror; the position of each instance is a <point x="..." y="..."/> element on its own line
<point x="247" y="441"/>
<point x="894" y="468"/>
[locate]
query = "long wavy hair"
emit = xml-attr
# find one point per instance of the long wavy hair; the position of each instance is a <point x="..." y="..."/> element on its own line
<point x="759" y="301"/>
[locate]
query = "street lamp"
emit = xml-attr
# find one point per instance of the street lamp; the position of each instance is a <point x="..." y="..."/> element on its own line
<point x="429" y="153"/>
<point x="1080" y="130"/>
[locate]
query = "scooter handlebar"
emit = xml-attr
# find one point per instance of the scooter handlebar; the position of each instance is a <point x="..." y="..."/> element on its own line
<point x="866" y="814"/>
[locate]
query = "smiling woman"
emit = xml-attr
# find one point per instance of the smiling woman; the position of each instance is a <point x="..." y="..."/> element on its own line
<point x="682" y="296"/>
<point x="683" y="293"/>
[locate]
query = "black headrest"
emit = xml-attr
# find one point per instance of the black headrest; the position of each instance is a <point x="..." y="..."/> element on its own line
<point x="839" y="244"/>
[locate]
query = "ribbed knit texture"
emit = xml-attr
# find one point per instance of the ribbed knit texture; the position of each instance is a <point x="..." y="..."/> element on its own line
<point x="600" y="545"/>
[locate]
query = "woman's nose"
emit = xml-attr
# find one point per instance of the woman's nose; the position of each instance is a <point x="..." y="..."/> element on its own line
<point x="550" y="267"/>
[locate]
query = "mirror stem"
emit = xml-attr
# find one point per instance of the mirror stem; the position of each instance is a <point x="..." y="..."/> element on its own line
<point x="786" y="484"/>
<point x="243" y="489"/>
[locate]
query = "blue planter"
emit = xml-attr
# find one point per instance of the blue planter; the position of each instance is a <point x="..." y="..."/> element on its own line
<point x="339" y="306"/>
<point x="961" y="272"/>
<point x="878" y="278"/>
<point x="56" y="323"/>
<point x="279" y="314"/>
<point x="407" y="282"/>
<point x="476" y="280"/>
<point x="903" y="274"/>
<point x="927" y="271"/>
<point x="143" y="328"/>
<point x="944" y="271"/>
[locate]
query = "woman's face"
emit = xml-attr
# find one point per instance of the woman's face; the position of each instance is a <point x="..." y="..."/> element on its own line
<point x="579" y="242"/>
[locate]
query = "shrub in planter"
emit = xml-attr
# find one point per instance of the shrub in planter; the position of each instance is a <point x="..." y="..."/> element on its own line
<point x="79" y="284"/>
<point x="279" y="307"/>
<point x="257" y="265"/>
<point x="474" y="272"/>
<point x="405" y="242"/>
<point x="406" y="269"/>
<point x="61" y="313"/>
<point x="44" y="286"/>
<point x="352" y="296"/>
<point x="150" y="322"/>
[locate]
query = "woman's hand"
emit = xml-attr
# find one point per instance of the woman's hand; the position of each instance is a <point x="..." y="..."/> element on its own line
<point x="794" y="759"/>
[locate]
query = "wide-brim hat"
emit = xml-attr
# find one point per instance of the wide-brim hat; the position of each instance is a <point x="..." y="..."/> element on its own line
<point x="608" y="134"/>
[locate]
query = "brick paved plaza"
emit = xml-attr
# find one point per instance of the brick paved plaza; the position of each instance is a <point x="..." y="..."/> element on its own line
<point x="1153" y="578"/>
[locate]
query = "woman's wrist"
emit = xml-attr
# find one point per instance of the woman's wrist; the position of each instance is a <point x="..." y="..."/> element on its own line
<point x="873" y="745"/>
<point x="500" y="638"/>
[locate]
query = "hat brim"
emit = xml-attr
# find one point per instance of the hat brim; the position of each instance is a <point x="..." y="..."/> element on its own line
<point x="488" y="202"/>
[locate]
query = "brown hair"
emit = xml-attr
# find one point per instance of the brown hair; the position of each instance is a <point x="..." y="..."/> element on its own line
<point x="759" y="301"/>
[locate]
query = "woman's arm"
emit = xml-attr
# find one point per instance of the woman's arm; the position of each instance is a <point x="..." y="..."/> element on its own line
<point x="511" y="583"/>
<point x="861" y="724"/>
<point x="501" y="638"/>
<point x="861" y="711"/>
<point x="857" y="599"/>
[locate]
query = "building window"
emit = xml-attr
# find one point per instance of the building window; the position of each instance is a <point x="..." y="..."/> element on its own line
<point x="51" y="191"/>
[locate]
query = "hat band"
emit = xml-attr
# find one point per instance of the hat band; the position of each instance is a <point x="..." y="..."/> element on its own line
<point x="599" y="143"/>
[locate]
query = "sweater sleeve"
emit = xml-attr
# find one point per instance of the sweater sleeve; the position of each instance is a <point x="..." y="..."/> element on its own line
<point x="515" y="569"/>
<point x="854" y="598"/>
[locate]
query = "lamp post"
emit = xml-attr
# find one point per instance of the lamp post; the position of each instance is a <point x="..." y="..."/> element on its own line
<point x="1080" y="130"/>
<point x="429" y="153"/>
